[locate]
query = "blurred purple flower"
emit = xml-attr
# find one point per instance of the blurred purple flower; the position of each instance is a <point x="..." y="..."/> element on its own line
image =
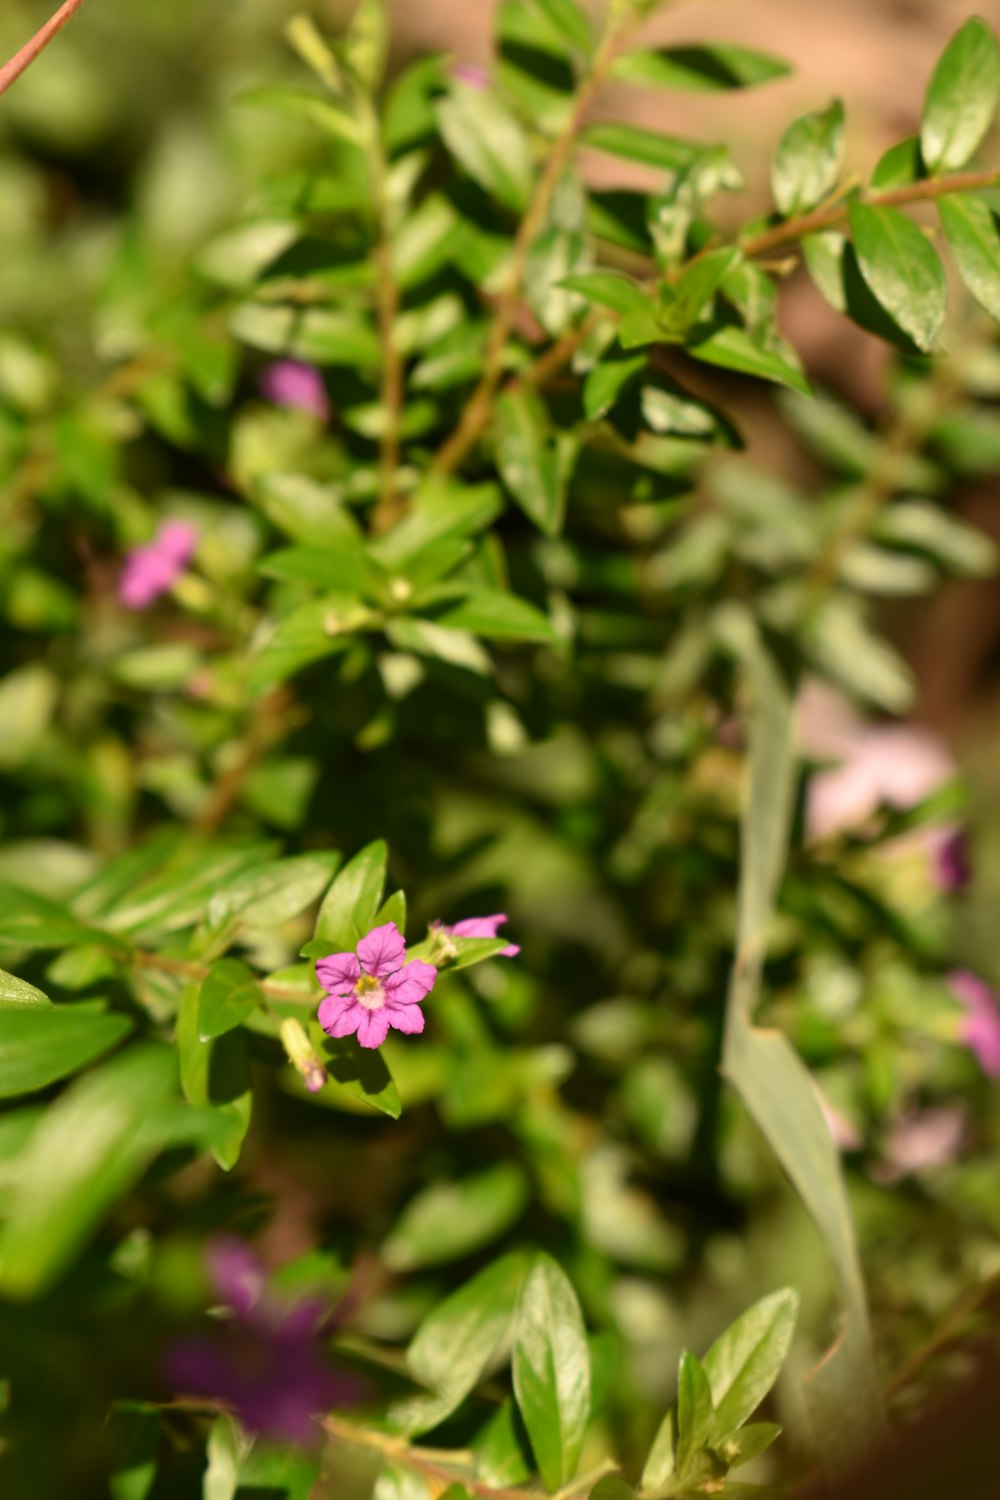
<point x="289" y="382"/>
<point x="473" y="74"/>
<point x="374" y="989"/>
<point x="150" y="571"/>
<point x="980" y="1030"/>
<point x="482" y="927"/>
<point x="268" y="1365"/>
<point x="952" y="865"/>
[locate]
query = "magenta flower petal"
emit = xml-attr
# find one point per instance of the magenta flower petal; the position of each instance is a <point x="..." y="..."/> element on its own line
<point x="340" y="1015"/>
<point x="382" y="951"/>
<point x="289" y="382"/>
<point x="374" y="1027"/>
<point x="338" y="973"/>
<point x="484" y="927"/>
<point x="408" y="1018"/>
<point x="237" y="1275"/>
<point x="150" y="571"/>
<point x="415" y="980"/>
<point x="980" y="1029"/>
<point x="176" y="541"/>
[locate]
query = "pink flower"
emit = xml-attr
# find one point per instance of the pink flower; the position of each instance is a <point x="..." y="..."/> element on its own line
<point x="952" y="865"/>
<point x="482" y="927"/>
<point x="472" y="74"/>
<point x="981" y="1023"/>
<point x="150" y="571"/>
<point x="921" y="1142"/>
<point x="374" y="989"/>
<point x="289" y="382"/>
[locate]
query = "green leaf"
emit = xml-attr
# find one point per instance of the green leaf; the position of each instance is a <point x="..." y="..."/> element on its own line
<point x="701" y="69"/>
<point x="748" y="1443"/>
<point x="745" y="1361"/>
<point x="349" y="908"/>
<point x="28" y="920"/>
<point x="229" y="993"/>
<point x="824" y="258"/>
<point x="698" y="284"/>
<point x="961" y="98"/>
<point x="695" y="1417"/>
<point x="950" y="542"/>
<point x="275" y="892"/>
<point x="570" y="21"/>
<point x="136" y="1436"/>
<point x="973" y="235"/>
<point x="215" y="1078"/>
<point x="900" y="166"/>
<point x="459" y="1342"/>
<point x="772" y="1081"/>
<point x="651" y="147"/>
<point x="552" y="1371"/>
<point x="366" y="44"/>
<point x="902" y="269"/>
<point x="486" y="138"/>
<point x="841" y="644"/>
<point x="318" y="109"/>
<point x="226" y="1447"/>
<point x="609" y="289"/>
<point x="361" y="1071"/>
<point x="530" y="464"/>
<point x="15" y="994"/>
<point x="608" y="381"/>
<point x="501" y="1449"/>
<point x="305" y="636"/>
<point x="349" y="569"/>
<point x="93" y="1143"/>
<point x="807" y="162"/>
<point x="42" y="1043"/>
<point x="612" y="1487"/>
<point x="439" y="510"/>
<point x="451" y="1219"/>
<point x="662" y="1460"/>
<point x="499" y="617"/>
<point x="734" y="349"/>
<point x="319" y="335"/>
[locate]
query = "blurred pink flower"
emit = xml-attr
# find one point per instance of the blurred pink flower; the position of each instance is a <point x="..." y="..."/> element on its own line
<point x="473" y="74"/>
<point x="952" y="865"/>
<point x="921" y="1141"/>
<point x="151" y="571"/>
<point x="289" y="382"/>
<point x="892" y="765"/>
<point x="845" y="1137"/>
<point x="980" y="1030"/>
<point x="481" y="927"/>
<point x="373" y="989"/>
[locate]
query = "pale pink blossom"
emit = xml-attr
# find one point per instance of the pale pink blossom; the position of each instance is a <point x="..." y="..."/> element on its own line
<point x="152" y="570"/>
<point x="980" y="1027"/>
<point x="475" y="75"/>
<point x="290" y="382"/>
<point x="920" y="1142"/>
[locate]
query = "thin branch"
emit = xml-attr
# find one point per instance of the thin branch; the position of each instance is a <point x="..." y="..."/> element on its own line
<point x="475" y="418"/>
<point x="826" y="218"/>
<point x="12" y="71"/>
<point x="389" y="507"/>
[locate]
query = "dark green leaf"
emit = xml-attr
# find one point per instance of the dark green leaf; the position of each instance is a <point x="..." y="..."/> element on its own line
<point x="529" y="461"/>
<point x="609" y="289"/>
<point x="807" y="161"/>
<point x="701" y="69"/>
<point x="351" y="569"/>
<point x="973" y="236"/>
<point x="229" y="993"/>
<point x="349" y="908"/>
<point x="608" y="380"/>
<point x="734" y="349"/>
<point x="500" y="617"/>
<point x="902" y="269"/>
<point x="135" y="1432"/>
<point x="552" y="1371"/>
<point x="361" y="1071"/>
<point x="215" y="1079"/>
<point x="697" y="285"/>
<point x="961" y="97"/>
<point x="41" y="1043"/>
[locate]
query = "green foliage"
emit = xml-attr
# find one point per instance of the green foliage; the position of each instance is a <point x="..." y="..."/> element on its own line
<point x="488" y="612"/>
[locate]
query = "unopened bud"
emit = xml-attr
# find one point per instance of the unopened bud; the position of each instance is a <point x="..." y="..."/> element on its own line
<point x="303" y="1056"/>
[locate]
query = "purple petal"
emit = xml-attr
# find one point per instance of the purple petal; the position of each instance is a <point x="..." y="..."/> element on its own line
<point x="338" y="973"/>
<point x="408" y="1018"/>
<point x="411" y="984"/>
<point x="176" y="541"/>
<point x="374" y="1027"/>
<point x="484" y="927"/>
<point x="289" y="382"/>
<point x="382" y="951"/>
<point x="237" y="1275"/>
<point x="340" y="1015"/>
<point x="145" y="576"/>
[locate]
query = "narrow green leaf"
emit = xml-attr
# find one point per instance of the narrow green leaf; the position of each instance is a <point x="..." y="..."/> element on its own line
<point x="608" y="381"/>
<point x="552" y="1371"/>
<point x="973" y="235"/>
<point x="528" y="460"/>
<point x="136" y="1436"/>
<point x="320" y="110"/>
<point x="486" y="138"/>
<point x="662" y="1460"/>
<point x="807" y="161"/>
<point x="275" y="892"/>
<point x="695" y="1417"/>
<point x="229" y="993"/>
<point x="902" y="269"/>
<point x="500" y="617"/>
<point x="459" y="1342"/>
<point x="42" y="1043"/>
<point x="950" y="542"/>
<point x="609" y="289"/>
<point x="697" y="285"/>
<point x="451" y="1219"/>
<point x="748" y="1443"/>
<point x="349" y="569"/>
<point x="570" y="21"/>
<point x="93" y="1143"/>
<point x="366" y="44"/>
<point x="651" y="147"/>
<point x="28" y="920"/>
<point x="961" y="97"/>
<point x="734" y="349"/>
<point x="745" y="1361"/>
<point x="349" y="908"/>
<point x="307" y="635"/>
<point x="824" y="258"/>
<point x="711" y="68"/>
<point x="320" y="335"/>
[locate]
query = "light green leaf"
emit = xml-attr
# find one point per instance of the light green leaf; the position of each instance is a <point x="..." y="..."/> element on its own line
<point x="552" y="1371"/>
<point x="774" y="1084"/>
<point x="950" y="542"/>
<point x="451" y="1219"/>
<point x="439" y="510"/>
<point x="662" y="1460"/>
<point x="307" y="635"/>
<point x="697" y="285"/>
<point x="961" y="97"/>
<point x="40" y="1043"/>
<point x="459" y="1342"/>
<point x="93" y="1143"/>
<point x="695" y="1417"/>
<point x="843" y="646"/>
<point x="530" y="463"/>
<point x="361" y="1071"/>
<point x="275" y="892"/>
<point x="651" y="147"/>
<point x="609" y="289"/>
<point x="608" y="380"/>
<point x="900" y="166"/>
<point x="745" y="1361"/>
<point x="486" y="138"/>
<point x="499" y="617"/>
<point x="902" y="269"/>
<point x="215" y="1079"/>
<point x="28" y="920"/>
<point x="747" y="1443"/>
<point x="709" y="68"/>
<point x="824" y="258"/>
<point x="807" y="162"/>
<point x="326" y="113"/>
<point x="348" y="569"/>
<point x="973" y="235"/>
<point x="571" y="22"/>
<point x="229" y="993"/>
<point x="734" y="349"/>
<point x="320" y="335"/>
<point x="136" y="1432"/>
<point x="349" y="908"/>
<point x="15" y="994"/>
<point x="366" y="44"/>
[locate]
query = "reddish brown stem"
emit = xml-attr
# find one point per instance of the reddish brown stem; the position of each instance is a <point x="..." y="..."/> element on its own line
<point x="12" y="71"/>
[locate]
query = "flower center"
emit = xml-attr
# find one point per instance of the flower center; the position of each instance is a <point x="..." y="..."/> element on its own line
<point x="369" y="992"/>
